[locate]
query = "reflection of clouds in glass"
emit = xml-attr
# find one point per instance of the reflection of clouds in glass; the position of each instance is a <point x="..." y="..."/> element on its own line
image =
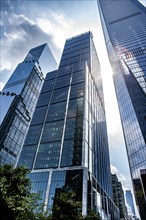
<point x="124" y="179"/>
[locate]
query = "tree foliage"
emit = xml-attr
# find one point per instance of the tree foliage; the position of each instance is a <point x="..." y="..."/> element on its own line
<point x="16" y="201"/>
<point x="92" y="216"/>
<point x="66" y="207"/>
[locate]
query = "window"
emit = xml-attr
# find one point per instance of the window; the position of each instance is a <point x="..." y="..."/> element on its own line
<point x="39" y="183"/>
<point x="85" y="50"/>
<point x="76" y="48"/>
<point x="64" y="70"/>
<point x="48" y="155"/>
<point x="86" y="40"/>
<point x="51" y="75"/>
<point x="74" y="127"/>
<point x="63" y="63"/>
<point x="44" y="99"/>
<point x="52" y="131"/>
<point x="48" y="85"/>
<point x="66" y="51"/>
<point x="27" y="156"/>
<point x="64" y="57"/>
<point x="85" y="45"/>
<point x="67" y="153"/>
<point x="58" y="181"/>
<point x="33" y="134"/>
<point x="74" y="54"/>
<point x="39" y="115"/>
<point x="59" y="95"/>
<point x="62" y="81"/>
<point x="75" y="107"/>
<point x="74" y="59"/>
<point x="78" y="77"/>
<point x="77" y="90"/>
<point x="85" y="56"/>
<point x="79" y="66"/>
<point x="70" y="128"/>
<point x="56" y="111"/>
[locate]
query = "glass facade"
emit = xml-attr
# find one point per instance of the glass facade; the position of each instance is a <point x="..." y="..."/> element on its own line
<point x="118" y="196"/>
<point x="16" y="111"/>
<point x="125" y="32"/>
<point x="129" y="199"/>
<point x="67" y="136"/>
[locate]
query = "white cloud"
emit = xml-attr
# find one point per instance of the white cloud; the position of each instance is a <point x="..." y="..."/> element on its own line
<point x="126" y="184"/>
<point x="124" y="179"/>
<point x="20" y="34"/>
<point x="1" y="85"/>
<point x="58" y="26"/>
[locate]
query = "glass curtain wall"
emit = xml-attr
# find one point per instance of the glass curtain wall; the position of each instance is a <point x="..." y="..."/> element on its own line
<point x="67" y="135"/>
<point x="125" y="32"/>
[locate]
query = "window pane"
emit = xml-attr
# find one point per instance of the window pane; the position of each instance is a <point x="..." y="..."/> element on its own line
<point x="77" y="90"/>
<point x="59" y="95"/>
<point x="33" y="134"/>
<point x="75" y="107"/>
<point x="56" y="111"/>
<point x="64" y="70"/>
<point x="74" y="127"/>
<point x="39" y="184"/>
<point x="62" y="81"/>
<point x="67" y="153"/>
<point x="27" y="156"/>
<point x="51" y="75"/>
<point x="48" y="85"/>
<point x="52" y="131"/>
<point x="44" y="99"/>
<point x="74" y="59"/>
<point x="48" y="155"/>
<point x="39" y="115"/>
<point x="78" y="77"/>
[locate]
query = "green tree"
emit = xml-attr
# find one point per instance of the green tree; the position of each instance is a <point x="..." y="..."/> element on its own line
<point x="16" y="201"/>
<point x="66" y="207"/>
<point x="92" y="216"/>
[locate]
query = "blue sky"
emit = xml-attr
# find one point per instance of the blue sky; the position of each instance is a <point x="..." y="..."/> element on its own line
<point x="29" y="23"/>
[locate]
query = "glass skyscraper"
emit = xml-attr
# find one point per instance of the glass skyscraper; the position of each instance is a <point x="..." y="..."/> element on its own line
<point x="118" y="196"/>
<point x="129" y="199"/>
<point x="66" y="145"/>
<point x="17" y="110"/>
<point x="124" y="26"/>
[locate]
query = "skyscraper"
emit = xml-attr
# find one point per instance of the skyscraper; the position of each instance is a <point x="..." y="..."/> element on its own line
<point x="124" y="26"/>
<point x="129" y="199"/>
<point x="118" y="196"/>
<point x="18" y="100"/>
<point x="66" y="145"/>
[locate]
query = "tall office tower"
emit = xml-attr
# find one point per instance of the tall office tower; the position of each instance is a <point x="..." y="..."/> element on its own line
<point x="124" y="26"/>
<point x="18" y="100"/>
<point x="66" y="145"/>
<point x="118" y="196"/>
<point x="129" y="199"/>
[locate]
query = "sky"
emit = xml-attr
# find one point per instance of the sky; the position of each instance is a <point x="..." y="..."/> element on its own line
<point x="29" y="23"/>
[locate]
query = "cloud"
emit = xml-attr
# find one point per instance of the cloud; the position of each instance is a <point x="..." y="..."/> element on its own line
<point x="58" y="25"/>
<point x="124" y="179"/>
<point x="20" y="34"/>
